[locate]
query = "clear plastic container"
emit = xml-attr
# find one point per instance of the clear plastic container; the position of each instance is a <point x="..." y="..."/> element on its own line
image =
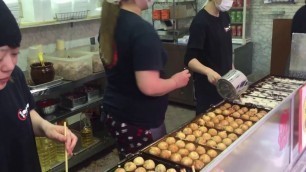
<point x="71" y="65"/>
<point x="93" y="50"/>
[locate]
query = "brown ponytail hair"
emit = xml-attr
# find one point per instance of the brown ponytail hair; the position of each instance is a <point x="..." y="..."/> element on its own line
<point x="109" y="17"/>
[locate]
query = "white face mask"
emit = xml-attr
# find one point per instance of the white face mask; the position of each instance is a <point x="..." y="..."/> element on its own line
<point x="225" y="5"/>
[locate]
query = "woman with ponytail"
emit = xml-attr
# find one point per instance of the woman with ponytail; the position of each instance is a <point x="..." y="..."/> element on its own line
<point x="135" y="99"/>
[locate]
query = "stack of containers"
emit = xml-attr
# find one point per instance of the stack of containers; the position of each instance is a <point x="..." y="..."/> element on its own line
<point x="62" y="6"/>
<point x="13" y="5"/>
<point x="80" y="5"/>
<point x="36" y="10"/>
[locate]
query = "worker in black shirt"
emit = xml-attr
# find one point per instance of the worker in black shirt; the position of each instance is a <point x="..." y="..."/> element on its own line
<point x="135" y="98"/>
<point x="209" y="51"/>
<point x="299" y="21"/>
<point x="19" y="122"/>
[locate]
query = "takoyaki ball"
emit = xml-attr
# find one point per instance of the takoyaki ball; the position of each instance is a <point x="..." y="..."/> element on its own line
<point x="176" y="157"/>
<point x="206" y="118"/>
<point x="206" y="136"/>
<point x="187" y="161"/>
<point x="232" y="136"/>
<point x="120" y="170"/>
<point x="239" y="121"/>
<point x="201" y="141"/>
<point x="190" y="138"/>
<point x="236" y="115"/>
<point x="203" y="129"/>
<point x="201" y="122"/>
<point x="227" y="105"/>
<point x="201" y="150"/>
<point x="226" y="112"/>
<point x="160" y="168"/>
<point x="245" y="117"/>
<point x="129" y="166"/>
<point x="180" y="143"/>
<point x="221" y="146"/>
<point x="162" y="145"/>
<point x="180" y="135"/>
<point x="198" y="165"/>
<point x="248" y="123"/>
<point x="254" y="110"/>
<point x="259" y="115"/>
<point x="220" y="117"/>
<point x="138" y="161"/>
<point x="222" y="108"/>
<point x="211" y="143"/>
<point x="222" y="134"/>
<point x="212" y="153"/>
<point x="245" y="109"/>
<point x="140" y="169"/>
<point x="170" y="140"/>
<point x="194" y="126"/>
<point x="229" y="119"/>
<point x="263" y="112"/>
<point x="190" y="146"/>
<point x="173" y="148"/>
<point x="213" y="132"/>
<point x="224" y="122"/>
<point x="197" y="133"/>
<point x="238" y="131"/>
<point x="205" y="158"/>
<point x="210" y="124"/>
<point x="234" y="124"/>
<point x="193" y="155"/>
<point x="215" y="120"/>
<point x="183" y="151"/>
<point x="165" y="154"/>
<point x="240" y="111"/>
<point x="171" y="170"/>
<point x="236" y="107"/>
<point x="154" y="150"/>
<point x="211" y="114"/>
<point x="218" y="111"/>
<point x="217" y="139"/>
<point x="187" y="130"/>
<point x="229" y="128"/>
<point x="227" y="141"/>
<point x="149" y="164"/>
<point x="231" y="110"/>
<point x="219" y="126"/>
<point x="244" y="127"/>
<point x="254" y="118"/>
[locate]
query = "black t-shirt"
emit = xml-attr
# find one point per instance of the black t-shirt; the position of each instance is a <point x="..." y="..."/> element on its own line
<point x="210" y="42"/>
<point x="138" y="49"/>
<point x="299" y="21"/>
<point x="17" y="146"/>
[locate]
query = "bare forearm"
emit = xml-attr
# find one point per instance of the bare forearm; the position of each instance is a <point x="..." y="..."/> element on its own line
<point x="161" y="87"/>
<point x="198" y="67"/>
<point x="37" y="123"/>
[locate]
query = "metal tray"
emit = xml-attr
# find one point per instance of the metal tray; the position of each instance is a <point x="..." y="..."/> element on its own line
<point x="156" y="160"/>
<point x="57" y="80"/>
<point x="181" y="166"/>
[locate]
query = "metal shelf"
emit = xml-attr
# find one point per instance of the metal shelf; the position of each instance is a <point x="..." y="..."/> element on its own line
<point x="66" y="85"/>
<point x="179" y="18"/>
<point x="63" y="113"/>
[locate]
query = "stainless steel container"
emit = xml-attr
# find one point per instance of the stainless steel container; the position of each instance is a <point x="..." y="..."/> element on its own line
<point x="232" y="84"/>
